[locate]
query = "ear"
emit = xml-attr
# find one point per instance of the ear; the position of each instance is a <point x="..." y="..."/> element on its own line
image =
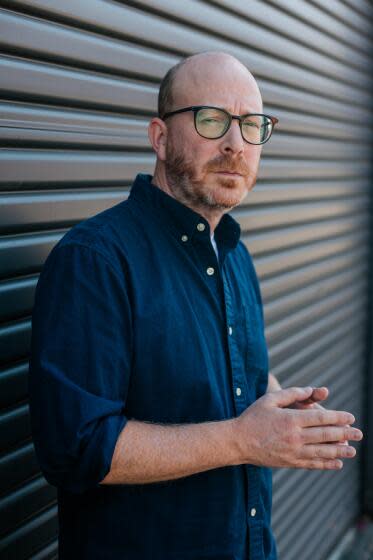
<point x="157" y="133"/>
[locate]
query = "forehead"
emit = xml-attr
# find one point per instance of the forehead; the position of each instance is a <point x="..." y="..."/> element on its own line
<point x="225" y="85"/>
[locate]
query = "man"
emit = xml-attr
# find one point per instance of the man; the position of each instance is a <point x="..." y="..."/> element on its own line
<point x="150" y="403"/>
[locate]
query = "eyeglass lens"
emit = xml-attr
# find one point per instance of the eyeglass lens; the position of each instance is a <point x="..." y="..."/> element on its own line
<point x="213" y="123"/>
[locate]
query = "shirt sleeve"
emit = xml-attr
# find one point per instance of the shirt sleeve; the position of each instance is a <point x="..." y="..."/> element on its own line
<point x="79" y="366"/>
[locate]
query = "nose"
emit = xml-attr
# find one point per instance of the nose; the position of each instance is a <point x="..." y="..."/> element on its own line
<point x="232" y="141"/>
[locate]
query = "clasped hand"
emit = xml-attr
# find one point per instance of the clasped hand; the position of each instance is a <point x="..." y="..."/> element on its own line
<point x="290" y="428"/>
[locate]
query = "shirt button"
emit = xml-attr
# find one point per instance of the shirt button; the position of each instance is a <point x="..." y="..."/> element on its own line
<point x="201" y="226"/>
<point x="210" y="271"/>
<point x="238" y="391"/>
<point x="184" y="238"/>
<point x="230" y="330"/>
<point x="253" y="512"/>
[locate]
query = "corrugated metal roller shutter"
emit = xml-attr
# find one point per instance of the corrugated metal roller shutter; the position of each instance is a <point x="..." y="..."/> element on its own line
<point x="78" y="82"/>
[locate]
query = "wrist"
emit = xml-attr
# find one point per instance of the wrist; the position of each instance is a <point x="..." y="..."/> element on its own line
<point x="237" y="444"/>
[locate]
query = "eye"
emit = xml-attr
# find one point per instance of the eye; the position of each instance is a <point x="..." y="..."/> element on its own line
<point x="211" y="119"/>
<point x="250" y="124"/>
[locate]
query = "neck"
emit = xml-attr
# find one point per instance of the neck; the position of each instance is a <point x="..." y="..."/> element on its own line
<point x="212" y="215"/>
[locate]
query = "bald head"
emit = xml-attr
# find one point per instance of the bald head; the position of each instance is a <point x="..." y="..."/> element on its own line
<point x="198" y="78"/>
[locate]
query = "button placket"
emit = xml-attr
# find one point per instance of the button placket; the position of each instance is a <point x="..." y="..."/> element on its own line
<point x="254" y="485"/>
<point x="252" y="472"/>
<point x="210" y="270"/>
<point x="237" y="377"/>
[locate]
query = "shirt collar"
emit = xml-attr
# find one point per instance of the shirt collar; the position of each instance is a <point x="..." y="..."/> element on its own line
<point x="182" y="220"/>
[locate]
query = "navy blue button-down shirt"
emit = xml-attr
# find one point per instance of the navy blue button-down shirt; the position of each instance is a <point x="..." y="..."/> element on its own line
<point x="135" y="317"/>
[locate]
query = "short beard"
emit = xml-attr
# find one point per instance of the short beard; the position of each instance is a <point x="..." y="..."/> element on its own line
<point x="189" y="189"/>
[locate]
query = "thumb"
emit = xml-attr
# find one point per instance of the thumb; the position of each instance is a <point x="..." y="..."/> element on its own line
<point x="286" y="397"/>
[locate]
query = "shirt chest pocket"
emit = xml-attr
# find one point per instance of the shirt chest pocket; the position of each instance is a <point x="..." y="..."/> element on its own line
<point x="257" y="362"/>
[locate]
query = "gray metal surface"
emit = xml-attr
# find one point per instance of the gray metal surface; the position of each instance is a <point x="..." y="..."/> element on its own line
<point x="78" y="83"/>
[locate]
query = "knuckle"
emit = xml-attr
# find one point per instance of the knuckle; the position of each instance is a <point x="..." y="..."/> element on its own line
<point x="324" y="435"/>
<point x="328" y="452"/>
<point x="340" y="452"/>
<point x="331" y="434"/>
<point x="318" y="452"/>
<point x="348" y="434"/>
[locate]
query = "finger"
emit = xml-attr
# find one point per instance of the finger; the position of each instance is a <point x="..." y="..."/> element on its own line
<point x="322" y="464"/>
<point x="307" y="404"/>
<point x="344" y="442"/>
<point x="329" y="451"/>
<point x="286" y="397"/>
<point x="328" y="434"/>
<point x="318" y="394"/>
<point x="324" y="417"/>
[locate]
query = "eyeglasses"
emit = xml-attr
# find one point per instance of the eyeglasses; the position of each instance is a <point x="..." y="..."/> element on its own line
<point x="214" y="122"/>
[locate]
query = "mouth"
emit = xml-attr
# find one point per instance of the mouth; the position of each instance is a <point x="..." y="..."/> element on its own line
<point x="229" y="173"/>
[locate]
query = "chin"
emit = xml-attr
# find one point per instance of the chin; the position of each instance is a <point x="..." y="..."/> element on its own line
<point x="225" y="200"/>
<point x="228" y="195"/>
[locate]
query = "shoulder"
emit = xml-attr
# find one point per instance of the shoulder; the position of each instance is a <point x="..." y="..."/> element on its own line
<point x="106" y="236"/>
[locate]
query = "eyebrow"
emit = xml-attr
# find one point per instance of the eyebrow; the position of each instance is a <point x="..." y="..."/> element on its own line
<point x="228" y="111"/>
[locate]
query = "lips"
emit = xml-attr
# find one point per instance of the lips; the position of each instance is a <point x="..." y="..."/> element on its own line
<point x="228" y="166"/>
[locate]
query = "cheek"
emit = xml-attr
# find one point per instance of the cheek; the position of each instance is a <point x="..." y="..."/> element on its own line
<point x="253" y="154"/>
<point x="205" y="151"/>
<point x="252" y="158"/>
<point x="199" y="155"/>
<point x="174" y="142"/>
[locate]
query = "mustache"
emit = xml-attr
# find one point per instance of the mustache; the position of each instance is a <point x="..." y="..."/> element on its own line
<point x="226" y="163"/>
